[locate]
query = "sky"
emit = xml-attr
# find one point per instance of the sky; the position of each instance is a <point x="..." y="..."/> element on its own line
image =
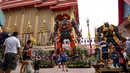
<point x="98" y="12"/>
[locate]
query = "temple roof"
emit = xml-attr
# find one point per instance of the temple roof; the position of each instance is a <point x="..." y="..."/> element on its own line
<point x="18" y="3"/>
<point x="63" y="5"/>
<point x="46" y="3"/>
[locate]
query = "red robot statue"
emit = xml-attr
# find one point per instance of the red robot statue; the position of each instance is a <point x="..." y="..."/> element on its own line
<point x="63" y="30"/>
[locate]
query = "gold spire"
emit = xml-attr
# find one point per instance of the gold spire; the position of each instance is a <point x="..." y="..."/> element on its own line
<point x="44" y="27"/>
<point x="14" y="28"/>
<point x="29" y="28"/>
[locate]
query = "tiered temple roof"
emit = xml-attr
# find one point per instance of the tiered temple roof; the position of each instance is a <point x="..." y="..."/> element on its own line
<point x="51" y="4"/>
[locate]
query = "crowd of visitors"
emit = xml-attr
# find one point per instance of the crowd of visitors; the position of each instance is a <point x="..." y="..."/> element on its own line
<point x="120" y="59"/>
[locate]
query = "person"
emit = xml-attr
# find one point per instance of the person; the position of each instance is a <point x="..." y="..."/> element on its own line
<point x="115" y="58"/>
<point x="11" y="48"/>
<point x="36" y="63"/>
<point x="27" y="54"/>
<point x="104" y="48"/>
<point x="97" y="53"/>
<point x="58" y="60"/>
<point x="64" y="59"/>
<point x="123" y="63"/>
<point x="127" y="47"/>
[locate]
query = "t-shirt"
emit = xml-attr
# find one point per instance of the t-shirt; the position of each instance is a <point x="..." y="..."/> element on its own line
<point x="63" y="56"/>
<point x="11" y="43"/>
<point x="104" y="46"/>
<point x="115" y="55"/>
<point x="29" y="53"/>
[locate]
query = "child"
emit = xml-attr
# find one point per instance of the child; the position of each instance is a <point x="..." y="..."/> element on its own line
<point x="115" y="58"/>
<point x="64" y="60"/>
<point x="36" y="63"/>
<point x="27" y="54"/>
<point x="59" y="60"/>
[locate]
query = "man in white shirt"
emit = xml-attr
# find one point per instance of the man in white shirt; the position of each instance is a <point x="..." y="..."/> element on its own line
<point x="11" y="48"/>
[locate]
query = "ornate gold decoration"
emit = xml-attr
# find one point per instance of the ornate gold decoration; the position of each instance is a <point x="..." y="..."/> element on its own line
<point x="10" y="16"/>
<point x="29" y="28"/>
<point x="36" y="24"/>
<point x="43" y="28"/>
<point x="14" y="28"/>
<point x="22" y="21"/>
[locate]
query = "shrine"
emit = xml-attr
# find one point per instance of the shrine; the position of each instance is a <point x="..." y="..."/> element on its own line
<point x="124" y="17"/>
<point x="36" y="17"/>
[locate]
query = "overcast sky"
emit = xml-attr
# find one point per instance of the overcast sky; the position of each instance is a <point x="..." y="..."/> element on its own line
<point x="98" y="12"/>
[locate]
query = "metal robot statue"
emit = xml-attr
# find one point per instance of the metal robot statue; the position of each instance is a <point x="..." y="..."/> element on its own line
<point x="63" y="30"/>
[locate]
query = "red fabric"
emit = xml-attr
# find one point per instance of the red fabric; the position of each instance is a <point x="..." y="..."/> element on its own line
<point x="30" y="51"/>
<point x="121" y="11"/>
<point x="122" y="60"/>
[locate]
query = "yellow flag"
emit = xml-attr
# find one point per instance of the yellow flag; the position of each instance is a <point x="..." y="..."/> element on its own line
<point x="32" y="39"/>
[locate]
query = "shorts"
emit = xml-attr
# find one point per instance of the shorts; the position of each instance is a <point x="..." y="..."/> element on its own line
<point x="26" y="57"/>
<point x="63" y="61"/>
<point x="105" y="56"/>
<point x="10" y="61"/>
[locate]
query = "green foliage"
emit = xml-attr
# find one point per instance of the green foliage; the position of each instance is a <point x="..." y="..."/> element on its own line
<point x="46" y="64"/>
<point x="79" y="64"/>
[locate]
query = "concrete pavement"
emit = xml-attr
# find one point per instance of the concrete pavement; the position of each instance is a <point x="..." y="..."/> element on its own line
<point x="59" y="70"/>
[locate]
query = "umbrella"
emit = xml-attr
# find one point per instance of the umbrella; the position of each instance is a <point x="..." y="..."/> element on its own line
<point x="2" y="18"/>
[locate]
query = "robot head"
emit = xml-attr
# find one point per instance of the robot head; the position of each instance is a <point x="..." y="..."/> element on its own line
<point x="62" y="17"/>
<point x="106" y="24"/>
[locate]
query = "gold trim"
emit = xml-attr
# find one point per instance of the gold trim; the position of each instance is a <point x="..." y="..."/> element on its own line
<point x="36" y="24"/>
<point x="10" y="17"/>
<point x="22" y="21"/>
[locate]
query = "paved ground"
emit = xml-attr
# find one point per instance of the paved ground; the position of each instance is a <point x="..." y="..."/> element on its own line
<point x="58" y="70"/>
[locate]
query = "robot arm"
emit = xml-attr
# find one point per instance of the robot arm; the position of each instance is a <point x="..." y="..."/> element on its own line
<point x="99" y="31"/>
<point x="76" y="29"/>
<point x="116" y="32"/>
<point x="53" y="35"/>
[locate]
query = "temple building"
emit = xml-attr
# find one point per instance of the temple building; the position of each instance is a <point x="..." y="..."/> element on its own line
<point x="36" y="17"/>
<point x="124" y="17"/>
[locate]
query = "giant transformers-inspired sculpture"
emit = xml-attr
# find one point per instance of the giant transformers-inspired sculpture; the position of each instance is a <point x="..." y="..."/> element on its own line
<point x="63" y="30"/>
<point x="110" y="34"/>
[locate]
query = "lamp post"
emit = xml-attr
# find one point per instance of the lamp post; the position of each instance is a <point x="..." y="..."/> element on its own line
<point x="90" y="46"/>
